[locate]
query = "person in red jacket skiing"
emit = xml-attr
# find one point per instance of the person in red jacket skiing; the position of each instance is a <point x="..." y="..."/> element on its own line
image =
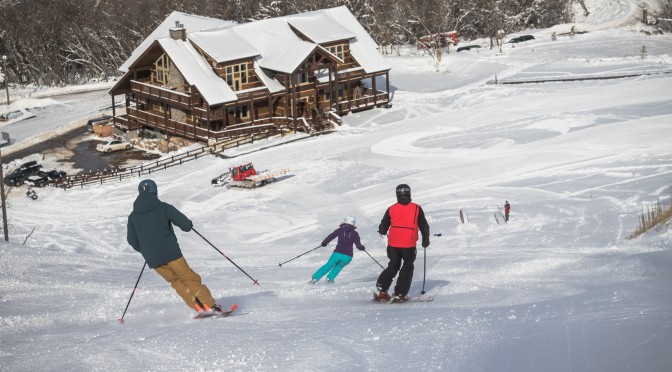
<point x="507" y="209"/>
<point x="401" y="223"/>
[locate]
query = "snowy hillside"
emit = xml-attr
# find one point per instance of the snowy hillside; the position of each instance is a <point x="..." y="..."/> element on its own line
<point x="559" y="288"/>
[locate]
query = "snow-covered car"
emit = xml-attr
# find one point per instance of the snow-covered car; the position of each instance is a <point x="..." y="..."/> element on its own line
<point x="114" y="145"/>
<point x="53" y="175"/>
<point x="37" y="181"/>
<point x="468" y="47"/>
<point x="20" y="174"/>
<point x="520" y="39"/>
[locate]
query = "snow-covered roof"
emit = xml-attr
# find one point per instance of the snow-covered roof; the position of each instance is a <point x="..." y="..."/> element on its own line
<point x="196" y="71"/>
<point x="190" y="22"/>
<point x="273" y="43"/>
<point x="273" y="85"/>
<point x="223" y="44"/>
<point x="319" y="27"/>
<point x="362" y="48"/>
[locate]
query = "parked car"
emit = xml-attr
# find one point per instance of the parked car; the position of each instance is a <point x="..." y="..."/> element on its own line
<point x="37" y="181"/>
<point x="468" y="47"/>
<point x="100" y="120"/>
<point x="520" y="39"/>
<point x="114" y="145"/>
<point x="19" y="175"/>
<point x="53" y="174"/>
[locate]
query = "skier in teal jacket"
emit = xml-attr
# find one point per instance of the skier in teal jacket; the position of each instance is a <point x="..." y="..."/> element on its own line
<point x="150" y="232"/>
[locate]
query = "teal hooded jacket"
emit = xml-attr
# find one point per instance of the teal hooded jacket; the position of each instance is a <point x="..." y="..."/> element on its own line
<point x="150" y="229"/>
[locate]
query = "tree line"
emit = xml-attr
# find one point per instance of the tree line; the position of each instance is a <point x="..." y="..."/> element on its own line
<point x="54" y="42"/>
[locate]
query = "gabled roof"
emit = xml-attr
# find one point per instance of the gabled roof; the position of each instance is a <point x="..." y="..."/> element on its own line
<point x="191" y="23"/>
<point x="197" y="72"/>
<point x="223" y="44"/>
<point x="362" y="48"/>
<point x="279" y="46"/>
<point x="272" y="43"/>
<point x="319" y="27"/>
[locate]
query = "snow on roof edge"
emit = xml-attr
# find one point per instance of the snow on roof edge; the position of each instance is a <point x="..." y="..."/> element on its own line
<point x="213" y="88"/>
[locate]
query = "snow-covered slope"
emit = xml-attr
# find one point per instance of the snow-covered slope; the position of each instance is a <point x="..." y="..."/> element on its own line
<point x="559" y="288"/>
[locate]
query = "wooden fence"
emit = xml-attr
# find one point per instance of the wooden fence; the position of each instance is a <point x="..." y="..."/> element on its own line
<point x="118" y="174"/>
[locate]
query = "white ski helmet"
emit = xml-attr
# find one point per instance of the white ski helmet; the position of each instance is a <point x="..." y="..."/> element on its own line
<point x="350" y="220"/>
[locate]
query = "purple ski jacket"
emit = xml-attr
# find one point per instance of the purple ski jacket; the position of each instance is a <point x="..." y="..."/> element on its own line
<point x="347" y="236"/>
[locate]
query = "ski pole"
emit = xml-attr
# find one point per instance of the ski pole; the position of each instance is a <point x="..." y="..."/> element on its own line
<point x="230" y="260"/>
<point x="121" y="320"/>
<point x="381" y="266"/>
<point x="424" y="272"/>
<point x="280" y="264"/>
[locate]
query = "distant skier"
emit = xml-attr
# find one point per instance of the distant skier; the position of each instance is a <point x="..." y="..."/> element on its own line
<point x="507" y="209"/>
<point x="347" y="237"/>
<point x="401" y="223"/>
<point x="150" y="232"/>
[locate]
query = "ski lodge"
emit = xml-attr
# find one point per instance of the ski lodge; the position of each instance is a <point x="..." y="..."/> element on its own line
<point x="207" y="79"/>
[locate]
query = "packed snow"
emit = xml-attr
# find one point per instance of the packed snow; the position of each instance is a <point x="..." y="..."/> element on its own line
<point x="558" y="288"/>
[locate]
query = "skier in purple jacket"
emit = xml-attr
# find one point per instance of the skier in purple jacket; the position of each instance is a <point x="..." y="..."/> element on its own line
<point x="347" y="237"/>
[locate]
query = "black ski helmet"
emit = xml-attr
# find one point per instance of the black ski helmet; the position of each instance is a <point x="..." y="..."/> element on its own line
<point x="148" y="185"/>
<point x="403" y="193"/>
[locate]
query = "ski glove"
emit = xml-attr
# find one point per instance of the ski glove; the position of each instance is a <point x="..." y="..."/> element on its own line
<point x="425" y="243"/>
<point x="324" y="244"/>
<point x="363" y="248"/>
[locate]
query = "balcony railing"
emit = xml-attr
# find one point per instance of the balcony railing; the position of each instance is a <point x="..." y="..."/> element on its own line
<point x="366" y="101"/>
<point x="135" y="119"/>
<point x="160" y="93"/>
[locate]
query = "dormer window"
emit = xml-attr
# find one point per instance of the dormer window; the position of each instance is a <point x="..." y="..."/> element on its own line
<point x="236" y="75"/>
<point x="337" y="50"/>
<point x="162" y="67"/>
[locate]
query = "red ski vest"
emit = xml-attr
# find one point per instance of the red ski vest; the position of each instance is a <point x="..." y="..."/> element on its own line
<point x="403" y="231"/>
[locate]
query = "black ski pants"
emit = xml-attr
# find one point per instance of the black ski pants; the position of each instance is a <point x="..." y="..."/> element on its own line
<point x="396" y="256"/>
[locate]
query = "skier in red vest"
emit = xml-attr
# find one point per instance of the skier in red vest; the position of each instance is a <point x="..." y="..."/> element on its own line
<point x="507" y="209"/>
<point x="401" y="223"/>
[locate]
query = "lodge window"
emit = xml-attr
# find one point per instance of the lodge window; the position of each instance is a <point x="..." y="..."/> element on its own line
<point x="241" y="112"/>
<point x="236" y="75"/>
<point x="162" y="67"/>
<point x="302" y="77"/>
<point x="337" y="50"/>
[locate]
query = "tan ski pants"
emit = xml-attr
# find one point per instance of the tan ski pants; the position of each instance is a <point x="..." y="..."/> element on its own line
<point x="186" y="282"/>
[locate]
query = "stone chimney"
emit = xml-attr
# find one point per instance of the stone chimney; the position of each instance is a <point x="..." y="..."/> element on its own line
<point x="178" y="32"/>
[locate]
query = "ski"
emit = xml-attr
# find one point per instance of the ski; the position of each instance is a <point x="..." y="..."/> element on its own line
<point x="416" y="298"/>
<point x="215" y="314"/>
<point x="429" y="298"/>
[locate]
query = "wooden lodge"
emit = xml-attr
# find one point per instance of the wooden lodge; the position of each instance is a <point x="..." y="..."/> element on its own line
<point x="209" y="80"/>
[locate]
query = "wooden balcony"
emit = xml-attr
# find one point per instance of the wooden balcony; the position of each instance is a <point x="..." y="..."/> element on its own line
<point x="136" y="119"/>
<point x="179" y="99"/>
<point x="366" y="101"/>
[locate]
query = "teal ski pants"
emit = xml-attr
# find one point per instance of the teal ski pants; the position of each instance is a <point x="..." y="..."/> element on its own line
<point x="334" y="265"/>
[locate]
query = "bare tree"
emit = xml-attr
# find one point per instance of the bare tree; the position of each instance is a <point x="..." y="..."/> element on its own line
<point x="69" y="41"/>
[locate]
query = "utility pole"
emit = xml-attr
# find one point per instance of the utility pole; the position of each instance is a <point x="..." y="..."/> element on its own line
<point x="4" y="204"/>
<point x="4" y="71"/>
